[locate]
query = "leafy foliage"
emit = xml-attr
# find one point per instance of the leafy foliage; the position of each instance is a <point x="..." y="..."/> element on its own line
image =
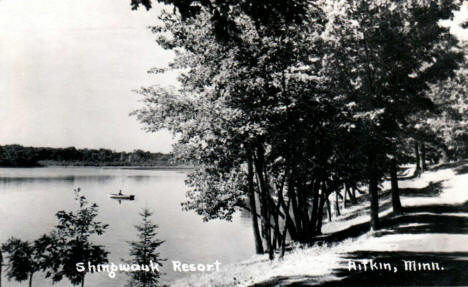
<point x="73" y="244"/>
<point x="26" y="258"/>
<point x="301" y="102"/>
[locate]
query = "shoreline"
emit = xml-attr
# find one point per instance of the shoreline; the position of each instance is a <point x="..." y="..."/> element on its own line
<point x="136" y="167"/>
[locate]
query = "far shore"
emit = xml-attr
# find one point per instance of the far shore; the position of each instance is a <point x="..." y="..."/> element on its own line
<point x="136" y="167"/>
<point x="175" y="167"/>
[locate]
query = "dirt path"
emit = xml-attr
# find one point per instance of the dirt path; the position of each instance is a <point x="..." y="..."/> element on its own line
<point x="433" y="229"/>
<point x="426" y="245"/>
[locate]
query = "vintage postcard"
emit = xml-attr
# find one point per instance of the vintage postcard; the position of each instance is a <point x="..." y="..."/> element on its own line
<point x="233" y="143"/>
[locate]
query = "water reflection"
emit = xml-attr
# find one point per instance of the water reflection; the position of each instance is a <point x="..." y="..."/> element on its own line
<point x="57" y="178"/>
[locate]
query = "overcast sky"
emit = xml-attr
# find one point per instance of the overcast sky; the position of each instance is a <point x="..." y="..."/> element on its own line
<point x="67" y="71"/>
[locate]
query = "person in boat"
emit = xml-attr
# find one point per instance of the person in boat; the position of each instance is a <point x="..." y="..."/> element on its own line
<point x="120" y="192"/>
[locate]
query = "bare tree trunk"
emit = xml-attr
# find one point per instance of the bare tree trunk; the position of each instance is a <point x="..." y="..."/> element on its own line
<point x="283" y="239"/>
<point x="373" y="191"/>
<point x="315" y="202"/>
<point x="417" y="172"/>
<point x="320" y="212"/>
<point x="354" y="195"/>
<point x="328" y="209"/>
<point x="276" y="230"/>
<point x="295" y="207"/>
<point x="271" y="254"/>
<point x="30" y="279"/>
<point x="253" y="208"/>
<point x="265" y="205"/>
<point x="337" y="204"/>
<point x="423" y="157"/>
<point x="396" y="204"/>
<point x="345" y="197"/>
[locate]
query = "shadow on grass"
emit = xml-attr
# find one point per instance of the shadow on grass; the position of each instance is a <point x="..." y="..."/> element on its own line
<point x="450" y="165"/>
<point x="437" y="208"/>
<point x="450" y="270"/>
<point x="427" y="219"/>
<point x="413" y="220"/>
<point x="431" y="190"/>
<point x="461" y="170"/>
<point x="409" y="177"/>
<point x="365" y="210"/>
<point x="424" y="223"/>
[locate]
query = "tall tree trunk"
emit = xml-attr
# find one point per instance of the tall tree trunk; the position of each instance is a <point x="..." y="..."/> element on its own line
<point x="423" y="157"/>
<point x="295" y="209"/>
<point x="285" y="229"/>
<point x="1" y="265"/>
<point x="283" y="241"/>
<point x="82" y="281"/>
<point x="320" y="212"/>
<point x="396" y="204"/>
<point x="300" y="206"/>
<point x="345" y="199"/>
<point x="253" y="208"/>
<point x="276" y="230"/>
<point x="337" y="204"/>
<point x="30" y="279"/>
<point x="289" y="221"/>
<point x="373" y="191"/>
<point x="271" y="254"/>
<point x="315" y="202"/>
<point x="265" y="205"/>
<point x="354" y="195"/>
<point x="328" y="209"/>
<point x="417" y="172"/>
<point x="291" y="228"/>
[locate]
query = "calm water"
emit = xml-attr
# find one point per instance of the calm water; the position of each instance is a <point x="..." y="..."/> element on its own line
<point x="30" y="197"/>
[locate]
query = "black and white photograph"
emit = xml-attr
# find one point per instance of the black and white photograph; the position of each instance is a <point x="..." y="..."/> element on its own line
<point x="233" y="143"/>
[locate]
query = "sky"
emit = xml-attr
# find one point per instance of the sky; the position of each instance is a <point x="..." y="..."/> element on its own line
<point x="67" y="71"/>
<point x="68" y="68"/>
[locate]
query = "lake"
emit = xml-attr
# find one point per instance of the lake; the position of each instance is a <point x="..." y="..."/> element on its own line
<point x="30" y="197"/>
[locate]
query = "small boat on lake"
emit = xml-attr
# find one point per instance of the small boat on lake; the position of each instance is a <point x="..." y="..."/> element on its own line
<point x="120" y="195"/>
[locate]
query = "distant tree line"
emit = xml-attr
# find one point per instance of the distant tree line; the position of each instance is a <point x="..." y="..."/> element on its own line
<point x="20" y="156"/>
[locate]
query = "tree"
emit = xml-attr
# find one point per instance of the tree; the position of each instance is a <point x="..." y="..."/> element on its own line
<point x="144" y="252"/>
<point x="1" y="267"/>
<point x="299" y="107"/>
<point x="449" y="121"/>
<point x="72" y="242"/>
<point x="262" y="104"/>
<point x="223" y="15"/>
<point x="26" y="258"/>
<point x="390" y="52"/>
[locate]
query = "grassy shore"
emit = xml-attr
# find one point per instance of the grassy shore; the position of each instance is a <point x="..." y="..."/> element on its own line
<point x="432" y="228"/>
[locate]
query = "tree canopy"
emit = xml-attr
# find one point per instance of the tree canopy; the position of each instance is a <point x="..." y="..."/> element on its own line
<point x="287" y="107"/>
